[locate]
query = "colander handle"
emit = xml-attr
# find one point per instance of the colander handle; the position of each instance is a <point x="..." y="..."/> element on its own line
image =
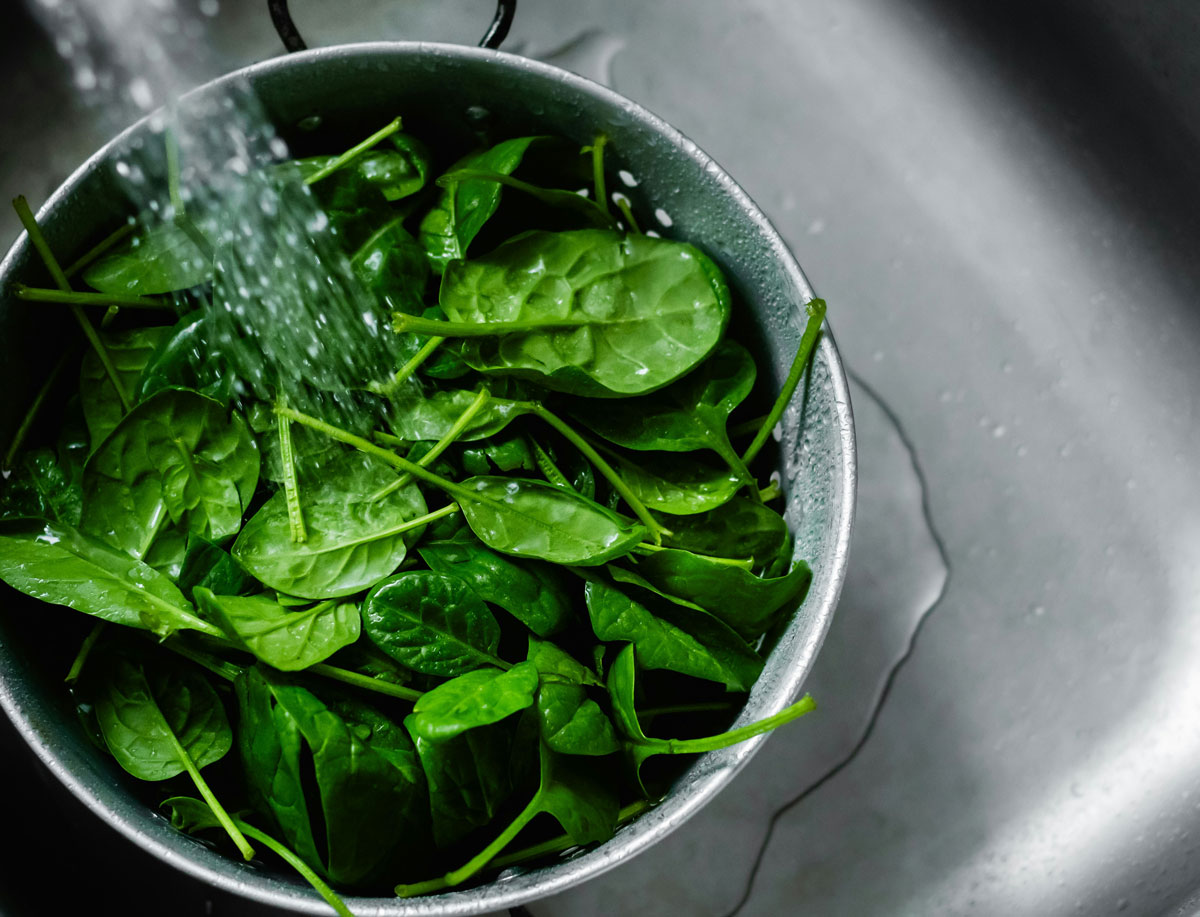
<point x="293" y="41"/>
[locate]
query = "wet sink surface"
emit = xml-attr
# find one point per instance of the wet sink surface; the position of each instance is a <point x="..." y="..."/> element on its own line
<point x="1001" y="209"/>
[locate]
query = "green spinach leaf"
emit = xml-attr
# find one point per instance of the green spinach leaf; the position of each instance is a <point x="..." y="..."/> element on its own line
<point x="747" y="603"/>
<point x="534" y="593"/>
<point x="455" y="220"/>
<point x="354" y="540"/>
<point x="42" y="487"/>
<point x="179" y="456"/>
<point x="60" y="565"/>
<point x="432" y="623"/>
<point x="284" y="638"/>
<point x="588" y="312"/>
<point x="687" y="415"/>
<point x="704" y="649"/>
<point x="473" y="699"/>
<point x="130" y="351"/>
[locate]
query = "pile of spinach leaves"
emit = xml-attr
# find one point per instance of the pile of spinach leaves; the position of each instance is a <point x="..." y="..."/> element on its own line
<point x="398" y="641"/>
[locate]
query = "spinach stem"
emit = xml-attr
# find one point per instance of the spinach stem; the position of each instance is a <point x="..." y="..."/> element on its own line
<point x="353" y="153"/>
<point x="816" y="315"/>
<point x="217" y="809"/>
<point x="297" y="864"/>
<point x="547" y="466"/>
<point x="30" y="415"/>
<point x="535" y="851"/>
<point x="291" y="486"/>
<point x="745" y="563"/>
<point x="456" y="430"/>
<point x="219" y="667"/>
<point x="746" y="427"/>
<point x="365" y="445"/>
<point x="99" y="249"/>
<point x="481" y="859"/>
<point x="657" y="530"/>
<point x="60" y="280"/>
<point x="626" y="209"/>
<point x="448" y="329"/>
<point x="364" y="681"/>
<point x="85" y="650"/>
<point x="590" y="210"/>
<point x="771" y="492"/>
<point x="389" y="388"/>
<point x="41" y="294"/>
<point x="597" y="150"/>
<point x="711" y="743"/>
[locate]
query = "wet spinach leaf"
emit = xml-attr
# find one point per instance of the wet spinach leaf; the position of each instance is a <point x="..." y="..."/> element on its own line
<point x="587" y="312"/>
<point x="284" y="638"/>
<point x="42" y="487"/>
<point x="61" y="565"/>
<point x="342" y="804"/>
<point x="181" y="458"/>
<point x="687" y="415"/>
<point x="747" y="603"/>
<point x="152" y="714"/>
<point x="534" y="593"/>
<point x="704" y="649"/>
<point x="130" y="351"/>
<point x="460" y="212"/>
<point x="432" y="623"/>
<point x="473" y="699"/>
<point x="159" y="258"/>
<point x="354" y="538"/>
<point x="535" y="519"/>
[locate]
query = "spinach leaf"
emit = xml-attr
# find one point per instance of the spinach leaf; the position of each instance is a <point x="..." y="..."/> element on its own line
<point x="676" y="485"/>
<point x="160" y="720"/>
<point x="704" y="648"/>
<point x="60" y="565"/>
<point x="184" y="359"/>
<point x="180" y="456"/>
<point x="469" y="777"/>
<point x="587" y="312"/>
<point x="432" y="623"/>
<point x="309" y="448"/>
<point x="430" y="417"/>
<point x="557" y="665"/>
<point x="742" y="526"/>
<point x="535" y="519"/>
<point x="584" y="806"/>
<point x="395" y="173"/>
<point x="286" y="639"/>
<point x="191" y="815"/>
<point x="208" y="565"/>
<point x="353" y="540"/>
<point x="159" y="258"/>
<point x="360" y="805"/>
<point x="152" y="714"/>
<point x="473" y="699"/>
<point x="687" y="415"/>
<point x="622" y="676"/>
<point x="41" y="487"/>
<point x="392" y="266"/>
<point x="130" y="352"/>
<point x="571" y="723"/>
<point x="449" y="227"/>
<point x="534" y="593"/>
<point x="747" y="603"/>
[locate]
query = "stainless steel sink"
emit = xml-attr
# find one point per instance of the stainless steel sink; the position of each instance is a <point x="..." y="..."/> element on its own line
<point x="1001" y="204"/>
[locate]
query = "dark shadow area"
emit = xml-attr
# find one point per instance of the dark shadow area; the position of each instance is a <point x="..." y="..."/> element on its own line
<point x="1078" y="75"/>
